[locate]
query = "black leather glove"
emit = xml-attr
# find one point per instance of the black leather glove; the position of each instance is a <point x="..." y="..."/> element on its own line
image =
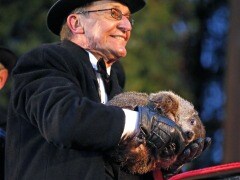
<point x="191" y="152"/>
<point x="161" y="133"/>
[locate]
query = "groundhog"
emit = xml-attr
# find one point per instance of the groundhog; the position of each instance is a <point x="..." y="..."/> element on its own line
<point x="136" y="156"/>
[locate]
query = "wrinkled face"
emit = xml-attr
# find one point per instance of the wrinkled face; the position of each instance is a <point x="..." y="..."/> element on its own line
<point x="104" y="34"/>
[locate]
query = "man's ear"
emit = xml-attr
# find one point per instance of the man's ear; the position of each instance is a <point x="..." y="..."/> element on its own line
<point x="3" y="77"/>
<point x="74" y="24"/>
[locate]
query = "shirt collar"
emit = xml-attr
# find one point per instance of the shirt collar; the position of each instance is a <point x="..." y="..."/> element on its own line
<point x="94" y="61"/>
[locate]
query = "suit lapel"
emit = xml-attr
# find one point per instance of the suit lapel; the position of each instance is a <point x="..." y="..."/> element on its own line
<point x="77" y="51"/>
<point x="115" y="87"/>
<point x="82" y="57"/>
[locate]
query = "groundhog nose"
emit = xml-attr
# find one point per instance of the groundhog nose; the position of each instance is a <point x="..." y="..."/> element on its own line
<point x="189" y="135"/>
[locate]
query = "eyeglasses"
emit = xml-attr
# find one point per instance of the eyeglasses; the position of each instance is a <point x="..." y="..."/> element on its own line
<point x="115" y="13"/>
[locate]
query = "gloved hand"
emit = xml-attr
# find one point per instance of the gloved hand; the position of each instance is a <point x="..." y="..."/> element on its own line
<point x="159" y="136"/>
<point x="161" y="133"/>
<point x="191" y="152"/>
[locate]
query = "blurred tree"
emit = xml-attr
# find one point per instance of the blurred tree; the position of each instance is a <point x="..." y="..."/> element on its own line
<point x="23" y="24"/>
<point x="154" y="60"/>
<point x="206" y="74"/>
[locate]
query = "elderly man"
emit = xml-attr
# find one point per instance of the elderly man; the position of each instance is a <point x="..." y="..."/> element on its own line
<point x="59" y="126"/>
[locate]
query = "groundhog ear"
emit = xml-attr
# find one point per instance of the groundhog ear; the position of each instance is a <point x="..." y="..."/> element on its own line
<point x="165" y="103"/>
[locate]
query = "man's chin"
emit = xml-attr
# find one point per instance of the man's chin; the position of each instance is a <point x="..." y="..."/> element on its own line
<point x="122" y="52"/>
<point x="115" y="57"/>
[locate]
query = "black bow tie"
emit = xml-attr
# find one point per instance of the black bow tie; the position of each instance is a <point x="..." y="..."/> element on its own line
<point x="105" y="77"/>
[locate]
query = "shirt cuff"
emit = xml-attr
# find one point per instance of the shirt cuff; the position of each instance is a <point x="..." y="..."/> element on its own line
<point x="131" y="122"/>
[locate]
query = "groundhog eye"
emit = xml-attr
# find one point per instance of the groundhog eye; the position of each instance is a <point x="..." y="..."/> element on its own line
<point x="192" y="121"/>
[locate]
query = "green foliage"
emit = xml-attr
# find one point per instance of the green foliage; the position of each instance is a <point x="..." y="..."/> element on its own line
<point x="154" y="61"/>
<point x="23" y="24"/>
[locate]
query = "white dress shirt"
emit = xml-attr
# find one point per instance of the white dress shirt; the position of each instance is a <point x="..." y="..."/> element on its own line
<point x="131" y="117"/>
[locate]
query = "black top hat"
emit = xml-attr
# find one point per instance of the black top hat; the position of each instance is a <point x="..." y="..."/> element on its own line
<point x="60" y="10"/>
<point x="7" y="58"/>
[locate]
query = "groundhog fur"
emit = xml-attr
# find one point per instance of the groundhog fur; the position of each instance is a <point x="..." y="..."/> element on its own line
<point x="138" y="157"/>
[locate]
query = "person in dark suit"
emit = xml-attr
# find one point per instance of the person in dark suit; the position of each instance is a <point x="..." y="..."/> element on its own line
<point x="58" y="124"/>
<point x="7" y="61"/>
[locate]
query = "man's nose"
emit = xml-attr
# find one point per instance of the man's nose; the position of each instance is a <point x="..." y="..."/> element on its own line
<point x="125" y="24"/>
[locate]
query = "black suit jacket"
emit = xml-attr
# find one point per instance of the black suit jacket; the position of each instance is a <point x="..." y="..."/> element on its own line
<point x="57" y="128"/>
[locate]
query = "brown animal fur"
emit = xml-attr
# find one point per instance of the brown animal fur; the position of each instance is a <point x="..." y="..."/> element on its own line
<point x="134" y="154"/>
